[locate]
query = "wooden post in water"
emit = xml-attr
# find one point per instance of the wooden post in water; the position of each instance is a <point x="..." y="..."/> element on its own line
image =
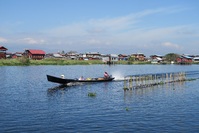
<point x="163" y="76"/>
<point x="180" y="76"/>
<point x="130" y="82"/>
<point x="170" y="77"/>
<point x="144" y="80"/>
<point x="177" y="77"/>
<point x="136" y="79"/>
<point x="150" y="79"/>
<point x="142" y="83"/>
<point x="166" y="78"/>
<point x="125" y="84"/>
<point x="155" y="79"/>
<point x="184" y="76"/>
<point x="174" y="77"/>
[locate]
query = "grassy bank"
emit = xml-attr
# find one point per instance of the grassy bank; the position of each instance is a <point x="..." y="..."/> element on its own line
<point x="64" y="62"/>
<point x="12" y="62"/>
<point x="51" y="61"/>
<point x="26" y="62"/>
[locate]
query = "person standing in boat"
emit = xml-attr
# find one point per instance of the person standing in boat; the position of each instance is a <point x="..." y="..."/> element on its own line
<point x="106" y="75"/>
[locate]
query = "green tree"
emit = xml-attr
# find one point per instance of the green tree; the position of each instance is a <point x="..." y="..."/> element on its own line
<point x="171" y="57"/>
<point x="131" y="58"/>
<point x="63" y="52"/>
<point x="24" y="60"/>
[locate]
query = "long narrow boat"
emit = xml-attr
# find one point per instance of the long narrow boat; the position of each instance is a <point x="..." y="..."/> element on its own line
<point x="66" y="81"/>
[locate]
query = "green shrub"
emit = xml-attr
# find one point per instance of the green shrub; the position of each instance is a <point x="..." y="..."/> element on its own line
<point x="24" y="60"/>
<point x="91" y="94"/>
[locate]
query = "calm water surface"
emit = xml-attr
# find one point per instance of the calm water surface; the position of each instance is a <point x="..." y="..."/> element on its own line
<point x="29" y="103"/>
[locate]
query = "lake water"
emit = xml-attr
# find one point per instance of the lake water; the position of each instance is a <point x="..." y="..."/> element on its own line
<point x="29" y="103"/>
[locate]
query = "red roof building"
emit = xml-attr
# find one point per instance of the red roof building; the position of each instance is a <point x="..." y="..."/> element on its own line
<point x="3" y="52"/>
<point x="34" y="54"/>
<point x="184" y="60"/>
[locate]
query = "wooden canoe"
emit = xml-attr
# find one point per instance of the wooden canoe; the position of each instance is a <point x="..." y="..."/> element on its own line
<point x="66" y="81"/>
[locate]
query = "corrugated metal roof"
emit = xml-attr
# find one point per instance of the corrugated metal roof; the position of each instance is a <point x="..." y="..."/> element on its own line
<point x="57" y="55"/>
<point x="3" y="48"/>
<point x="113" y="55"/>
<point x="158" y="58"/>
<point x="36" y="51"/>
<point x="188" y="57"/>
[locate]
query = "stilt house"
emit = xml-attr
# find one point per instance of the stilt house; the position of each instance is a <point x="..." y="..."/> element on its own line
<point x="3" y="52"/>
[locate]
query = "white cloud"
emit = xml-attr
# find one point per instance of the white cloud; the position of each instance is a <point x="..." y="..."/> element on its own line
<point x="123" y="28"/>
<point x="112" y="24"/>
<point x="77" y="29"/>
<point x="93" y="41"/>
<point x="102" y="25"/>
<point x="171" y="45"/>
<point x="30" y="40"/>
<point x="3" y="40"/>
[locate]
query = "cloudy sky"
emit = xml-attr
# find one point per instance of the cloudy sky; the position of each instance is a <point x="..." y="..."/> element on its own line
<point x="105" y="26"/>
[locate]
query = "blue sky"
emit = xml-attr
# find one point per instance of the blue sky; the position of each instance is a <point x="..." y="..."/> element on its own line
<point x="105" y="26"/>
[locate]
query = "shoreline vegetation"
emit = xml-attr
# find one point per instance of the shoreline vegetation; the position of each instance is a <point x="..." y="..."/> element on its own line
<point x="52" y="61"/>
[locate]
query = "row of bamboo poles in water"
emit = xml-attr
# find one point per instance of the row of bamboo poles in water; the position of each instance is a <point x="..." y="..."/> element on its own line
<point x="148" y="80"/>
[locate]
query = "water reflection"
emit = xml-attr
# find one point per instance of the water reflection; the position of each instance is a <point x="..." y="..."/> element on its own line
<point x="62" y="89"/>
<point x="175" y="86"/>
<point x="57" y="88"/>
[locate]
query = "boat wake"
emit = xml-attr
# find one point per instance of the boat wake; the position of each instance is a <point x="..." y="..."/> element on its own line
<point x="118" y="76"/>
<point x="119" y="79"/>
